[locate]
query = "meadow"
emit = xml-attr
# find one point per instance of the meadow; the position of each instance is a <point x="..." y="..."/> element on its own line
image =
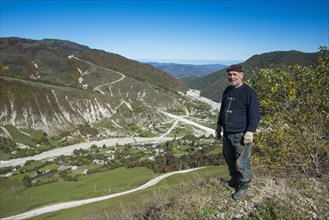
<point x="130" y="201"/>
<point x="16" y="199"/>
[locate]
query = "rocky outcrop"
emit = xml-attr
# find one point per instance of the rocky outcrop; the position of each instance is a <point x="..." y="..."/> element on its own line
<point x="53" y="109"/>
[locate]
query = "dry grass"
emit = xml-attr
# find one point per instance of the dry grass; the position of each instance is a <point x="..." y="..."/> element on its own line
<point x="205" y="198"/>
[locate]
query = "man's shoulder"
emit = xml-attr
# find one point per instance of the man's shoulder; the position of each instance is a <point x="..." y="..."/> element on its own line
<point x="248" y="88"/>
<point x="229" y="88"/>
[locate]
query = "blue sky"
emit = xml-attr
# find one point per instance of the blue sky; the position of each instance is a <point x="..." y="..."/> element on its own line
<point x="174" y="31"/>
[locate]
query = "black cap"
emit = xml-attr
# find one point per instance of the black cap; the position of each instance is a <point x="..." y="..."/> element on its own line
<point x="234" y="67"/>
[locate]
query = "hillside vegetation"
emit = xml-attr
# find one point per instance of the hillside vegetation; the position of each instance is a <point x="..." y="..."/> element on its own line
<point x="202" y="197"/>
<point x="294" y="106"/>
<point x="199" y="195"/>
<point x="213" y="85"/>
<point x="55" y="87"/>
<point x="48" y="60"/>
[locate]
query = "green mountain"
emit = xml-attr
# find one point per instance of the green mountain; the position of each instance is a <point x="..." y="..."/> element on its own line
<point x="53" y="86"/>
<point x="213" y="85"/>
<point x="63" y="62"/>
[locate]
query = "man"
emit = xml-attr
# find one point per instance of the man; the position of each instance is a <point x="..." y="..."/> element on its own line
<point x="239" y="116"/>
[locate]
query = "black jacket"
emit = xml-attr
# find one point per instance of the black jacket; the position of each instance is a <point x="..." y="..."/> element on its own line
<point x="239" y="110"/>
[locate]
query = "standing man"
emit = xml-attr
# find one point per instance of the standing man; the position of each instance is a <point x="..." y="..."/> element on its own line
<point x="239" y="116"/>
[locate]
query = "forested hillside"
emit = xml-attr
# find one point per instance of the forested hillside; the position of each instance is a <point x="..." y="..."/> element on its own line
<point x="213" y="85"/>
<point x="49" y="61"/>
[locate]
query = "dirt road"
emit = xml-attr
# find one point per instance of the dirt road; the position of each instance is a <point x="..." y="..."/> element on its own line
<point x="67" y="205"/>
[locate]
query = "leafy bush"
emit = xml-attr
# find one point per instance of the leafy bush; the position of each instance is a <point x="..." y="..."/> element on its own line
<point x="295" y="116"/>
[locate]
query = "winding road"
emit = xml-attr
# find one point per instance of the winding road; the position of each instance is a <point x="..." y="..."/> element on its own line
<point x="72" y="204"/>
<point x="110" y="83"/>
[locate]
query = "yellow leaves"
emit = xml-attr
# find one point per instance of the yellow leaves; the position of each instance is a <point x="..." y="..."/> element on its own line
<point x="292" y="91"/>
<point x="5" y="70"/>
<point x="294" y="108"/>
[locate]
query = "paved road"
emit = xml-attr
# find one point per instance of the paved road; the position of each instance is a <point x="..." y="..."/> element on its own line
<point x="67" y="205"/>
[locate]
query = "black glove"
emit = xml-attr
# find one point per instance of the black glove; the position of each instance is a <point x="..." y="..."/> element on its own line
<point x="219" y="132"/>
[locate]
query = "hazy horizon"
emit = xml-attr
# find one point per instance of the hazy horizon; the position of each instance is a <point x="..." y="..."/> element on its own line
<point x="191" y="61"/>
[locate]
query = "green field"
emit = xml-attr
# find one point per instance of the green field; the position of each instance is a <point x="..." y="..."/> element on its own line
<point x="44" y="85"/>
<point x="130" y="201"/>
<point x="16" y="199"/>
<point x="19" y="136"/>
<point x="217" y="150"/>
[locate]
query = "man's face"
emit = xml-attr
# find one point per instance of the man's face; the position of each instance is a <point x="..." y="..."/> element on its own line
<point x="235" y="78"/>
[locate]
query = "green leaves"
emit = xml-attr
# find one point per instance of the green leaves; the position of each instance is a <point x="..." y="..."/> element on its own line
<point x="295" y="106"/>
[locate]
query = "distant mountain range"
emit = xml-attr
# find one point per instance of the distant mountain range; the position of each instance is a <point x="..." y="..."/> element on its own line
<point x="187" y="70"/>
<point x="213" y="85"/>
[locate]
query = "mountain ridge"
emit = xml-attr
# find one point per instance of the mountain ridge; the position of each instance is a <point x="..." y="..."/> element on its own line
<point x="187" y="70"/>
<point x="47" y="59"/>
<point x="213" y="85"/>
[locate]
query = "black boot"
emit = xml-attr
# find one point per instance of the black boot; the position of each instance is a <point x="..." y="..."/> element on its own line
<point x="229" y="183"/>
<point x="242" y="191"/>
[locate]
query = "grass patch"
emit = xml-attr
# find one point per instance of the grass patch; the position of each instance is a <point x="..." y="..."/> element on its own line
<point x="33" y="165"/>
<point x="44" y="85"/>
<point x="179" y="151"/>
<point x="133" y="200"/>
<point x="17" y="199"/>
<point x="181" y="132"/>
<point x="217" y="150"/>
<point x="19" y="136"/>
<point x="4" y="156"/>
<point x="50" y="167"/>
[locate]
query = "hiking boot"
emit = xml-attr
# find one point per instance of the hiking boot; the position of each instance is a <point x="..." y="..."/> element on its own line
<point x="241" y="192"/>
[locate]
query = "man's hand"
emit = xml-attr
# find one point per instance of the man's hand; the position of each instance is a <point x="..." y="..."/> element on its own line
<point x="219" y="132"/>
<point x="248" y="138"/>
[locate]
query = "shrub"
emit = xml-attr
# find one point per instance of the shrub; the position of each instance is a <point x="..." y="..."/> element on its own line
<point x="295" y="116"/>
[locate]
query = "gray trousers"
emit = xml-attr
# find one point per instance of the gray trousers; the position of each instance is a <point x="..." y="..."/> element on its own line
<point x="237" y="156"/>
